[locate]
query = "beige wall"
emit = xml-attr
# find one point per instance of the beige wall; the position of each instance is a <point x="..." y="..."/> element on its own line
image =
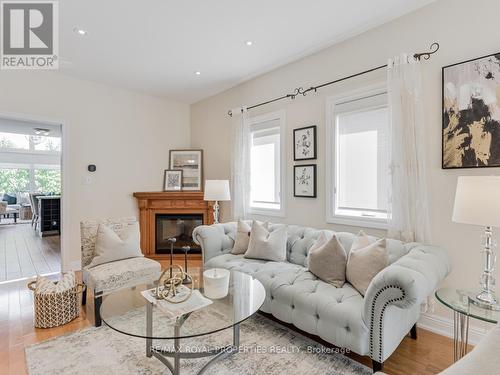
<point x="465" y="29"/>
<point x="127" y="135"/>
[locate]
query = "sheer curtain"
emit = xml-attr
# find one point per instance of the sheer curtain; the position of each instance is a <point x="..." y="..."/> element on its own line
<point x="408" y="201"/>
<point x="240" y="163"/>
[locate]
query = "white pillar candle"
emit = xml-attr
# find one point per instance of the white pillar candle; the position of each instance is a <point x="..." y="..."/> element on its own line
<point x="216" y="282"/>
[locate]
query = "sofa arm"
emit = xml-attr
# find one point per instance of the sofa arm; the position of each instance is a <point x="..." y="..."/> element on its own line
<point x="393" y="298"/>
<point x="216" y="239"/>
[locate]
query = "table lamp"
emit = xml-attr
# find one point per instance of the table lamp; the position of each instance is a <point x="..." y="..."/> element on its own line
<point x="217" y="190"/>
<point x="477" y="202"/>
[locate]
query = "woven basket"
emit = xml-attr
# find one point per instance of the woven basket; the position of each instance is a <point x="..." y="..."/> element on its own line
<point x="56" y="309"/>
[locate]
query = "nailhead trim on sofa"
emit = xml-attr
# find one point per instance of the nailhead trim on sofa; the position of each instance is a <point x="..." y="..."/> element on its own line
<point x="372" y="317"/>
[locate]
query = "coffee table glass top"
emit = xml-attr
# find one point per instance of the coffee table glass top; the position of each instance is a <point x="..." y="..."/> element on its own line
<point x="125" y="310"/>
<point x="458" y="300"/>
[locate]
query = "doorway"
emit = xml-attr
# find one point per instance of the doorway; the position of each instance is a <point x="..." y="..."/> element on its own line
<point x="30" y="198"/>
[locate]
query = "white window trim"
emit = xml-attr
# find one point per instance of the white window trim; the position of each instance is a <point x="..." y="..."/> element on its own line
<point x="280" y="116"/>
<point x="331" y="217"/>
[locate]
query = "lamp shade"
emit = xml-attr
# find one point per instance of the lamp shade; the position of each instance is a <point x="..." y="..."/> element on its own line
<point x="477" y="201"/>
<point x="217" y="190"/>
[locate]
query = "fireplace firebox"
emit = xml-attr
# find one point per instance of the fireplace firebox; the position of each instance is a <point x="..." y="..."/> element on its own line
<point x="180" y="227"/>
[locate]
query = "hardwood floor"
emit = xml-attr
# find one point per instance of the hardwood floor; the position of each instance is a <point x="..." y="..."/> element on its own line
<point x="429" y="354"/>
<point x="24" y="254"/>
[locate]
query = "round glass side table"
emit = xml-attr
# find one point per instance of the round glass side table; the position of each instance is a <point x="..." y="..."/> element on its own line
<point x="463" y="309"/>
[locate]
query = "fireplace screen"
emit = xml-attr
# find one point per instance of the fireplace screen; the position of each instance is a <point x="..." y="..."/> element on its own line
<point x="180" y="227"/>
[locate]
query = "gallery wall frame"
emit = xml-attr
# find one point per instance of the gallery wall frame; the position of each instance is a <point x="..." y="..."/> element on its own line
<point x="304" y="181"/>
<point x="305" y="143"/>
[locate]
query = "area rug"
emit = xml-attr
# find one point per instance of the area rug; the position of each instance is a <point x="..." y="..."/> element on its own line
<point x="266" y="348"/>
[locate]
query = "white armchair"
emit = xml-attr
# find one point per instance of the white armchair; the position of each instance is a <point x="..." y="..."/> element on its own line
<point x="110" y="277"/>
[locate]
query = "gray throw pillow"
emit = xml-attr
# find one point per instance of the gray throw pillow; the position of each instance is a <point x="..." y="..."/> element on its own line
<point x="267" y="245"/>
<point x="110" y="247"/>
<point x="366" y="259"/>
<point x="328" y="260"/>
<point x="243" y="237"/>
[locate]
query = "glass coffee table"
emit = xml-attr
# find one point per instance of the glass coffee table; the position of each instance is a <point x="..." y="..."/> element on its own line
<point x="458" y="300"/>
<point x="129" y="313"/>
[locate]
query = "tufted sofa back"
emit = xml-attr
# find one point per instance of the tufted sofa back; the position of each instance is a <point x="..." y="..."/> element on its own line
<point x="299" y="241"/>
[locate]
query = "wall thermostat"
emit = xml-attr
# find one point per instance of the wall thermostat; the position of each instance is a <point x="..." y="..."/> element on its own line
<point x="91" y="168"/>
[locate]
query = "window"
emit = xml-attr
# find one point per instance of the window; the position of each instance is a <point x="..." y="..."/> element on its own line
<point x="33" y="143"/>
<point x="30" y="160"/>
<point x="17" y="178"/>
<point x="13" y="141"/>
<point x="266" y="164"/>
<point x="358" y="159"/>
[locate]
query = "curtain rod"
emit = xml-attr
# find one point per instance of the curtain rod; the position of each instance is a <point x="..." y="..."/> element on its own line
<point x="300" y="90"/>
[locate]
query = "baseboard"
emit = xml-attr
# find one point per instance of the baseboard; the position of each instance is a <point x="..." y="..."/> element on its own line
<point x="444" y="327"/>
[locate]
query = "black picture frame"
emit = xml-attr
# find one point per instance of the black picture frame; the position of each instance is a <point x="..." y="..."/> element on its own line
<point x="314" y="141"/>
<point x="314" y="181"/>
<point x="445" y="119"/>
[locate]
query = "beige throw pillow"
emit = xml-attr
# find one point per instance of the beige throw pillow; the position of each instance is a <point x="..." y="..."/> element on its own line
<point x="267" y="245"/>
<point x="327" y="260"/>
<point x="243" y="237"/>
<point x="110" y="247"/>
<point x="366" y="259"/>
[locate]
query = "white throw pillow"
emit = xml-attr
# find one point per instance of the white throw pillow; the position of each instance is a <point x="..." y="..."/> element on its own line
<point x="267" y="245"/>
<point x="367" y="258"/>
<point x="110" y="246"/>
<point x="243" y="237"/>
<point x="327" y="260"/>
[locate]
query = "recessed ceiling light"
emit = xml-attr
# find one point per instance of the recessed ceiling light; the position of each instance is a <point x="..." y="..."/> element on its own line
<point x="41" y="131"/>
<point x="80" y="31"/>
<point x="249" y="43"/>
<point x="197" y="73"/>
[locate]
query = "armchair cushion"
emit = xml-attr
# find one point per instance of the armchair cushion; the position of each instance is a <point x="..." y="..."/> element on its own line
<point x="111" y="246"/>
<point x="125" y="273"/>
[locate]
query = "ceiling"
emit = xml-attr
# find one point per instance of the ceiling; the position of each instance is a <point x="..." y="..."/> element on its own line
<point x="156" y="46"/>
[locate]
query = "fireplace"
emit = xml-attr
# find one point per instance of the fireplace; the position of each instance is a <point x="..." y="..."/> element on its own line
<point x="180" y="227"/>
<point x="168" y="214"/>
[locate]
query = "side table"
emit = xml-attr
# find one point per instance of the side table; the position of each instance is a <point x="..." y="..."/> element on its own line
<point x="458" y="301"/>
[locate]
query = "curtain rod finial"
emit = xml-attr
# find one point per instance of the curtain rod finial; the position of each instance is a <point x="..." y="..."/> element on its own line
<point x="427" y="55"/>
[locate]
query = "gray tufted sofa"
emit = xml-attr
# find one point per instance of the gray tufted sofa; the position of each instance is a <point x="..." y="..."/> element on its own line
<point x="372" y="325"/>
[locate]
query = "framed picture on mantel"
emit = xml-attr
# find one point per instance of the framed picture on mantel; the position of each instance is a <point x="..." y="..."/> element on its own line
<point x="190" y="162"/>
<point x="172" y="180"/>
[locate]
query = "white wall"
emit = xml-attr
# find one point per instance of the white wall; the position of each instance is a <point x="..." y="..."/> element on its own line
<point x="127" y="135"/>
<point x="465" y="29"/>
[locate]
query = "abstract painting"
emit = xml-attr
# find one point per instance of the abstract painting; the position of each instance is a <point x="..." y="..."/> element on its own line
<point x="471" y="113"/>
<point x="191" y="164"/>
<point x="304" y="141"/>
<point x="304" y="181"/>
